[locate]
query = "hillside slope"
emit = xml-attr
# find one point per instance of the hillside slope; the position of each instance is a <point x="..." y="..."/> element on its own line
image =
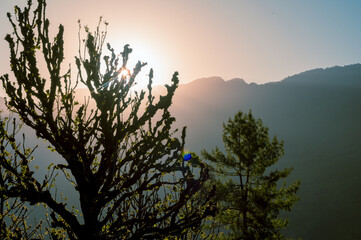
<point x="318" y="115"/>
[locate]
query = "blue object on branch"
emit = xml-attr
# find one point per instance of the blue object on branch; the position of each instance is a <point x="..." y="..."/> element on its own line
<point x="187" y="156"/>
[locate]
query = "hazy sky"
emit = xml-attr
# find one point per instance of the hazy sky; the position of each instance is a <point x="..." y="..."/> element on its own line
<point x="257" y="40"/>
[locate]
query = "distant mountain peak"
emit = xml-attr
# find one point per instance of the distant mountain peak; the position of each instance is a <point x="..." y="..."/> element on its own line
<point x="341" y="76"/>
<point x="238" y="81"/>
<point x="215" y="80"/>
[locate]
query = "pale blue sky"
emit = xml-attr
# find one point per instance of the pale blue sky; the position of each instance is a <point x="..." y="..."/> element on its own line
<point x="259" y="41"/>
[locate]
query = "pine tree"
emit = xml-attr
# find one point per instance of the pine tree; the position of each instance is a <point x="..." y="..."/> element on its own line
<point x="121" y="163"/>
<point x="249" y="194"/>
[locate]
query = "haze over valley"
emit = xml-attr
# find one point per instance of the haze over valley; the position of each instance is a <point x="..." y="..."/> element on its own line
<point x="318" y="115"/>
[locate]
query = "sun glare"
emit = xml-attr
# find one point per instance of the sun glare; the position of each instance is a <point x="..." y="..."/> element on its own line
<point x="124" y="73"/>
<point x="144" y="53"/>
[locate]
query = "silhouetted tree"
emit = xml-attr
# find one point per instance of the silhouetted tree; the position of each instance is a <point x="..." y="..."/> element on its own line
<point x="248" y="196"/>
<point x="13" y="211"/>
<point x="118" y="159"/>
<point x="205" y="231"/>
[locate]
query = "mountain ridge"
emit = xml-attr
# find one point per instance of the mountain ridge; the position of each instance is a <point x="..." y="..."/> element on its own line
<point x="352" y="70"/>
<point x="319" y="121"/>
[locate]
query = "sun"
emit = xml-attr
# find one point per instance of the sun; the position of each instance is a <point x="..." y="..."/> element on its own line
<point x="144" y="52"/>
<point x="124" y="73"/>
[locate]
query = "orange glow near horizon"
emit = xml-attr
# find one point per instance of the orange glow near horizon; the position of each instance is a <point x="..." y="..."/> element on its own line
<point x="259" y="42"/>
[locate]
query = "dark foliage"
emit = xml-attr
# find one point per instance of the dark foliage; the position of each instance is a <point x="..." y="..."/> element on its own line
<point x="249" y="196"/>
<point x="118" y="160"/>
